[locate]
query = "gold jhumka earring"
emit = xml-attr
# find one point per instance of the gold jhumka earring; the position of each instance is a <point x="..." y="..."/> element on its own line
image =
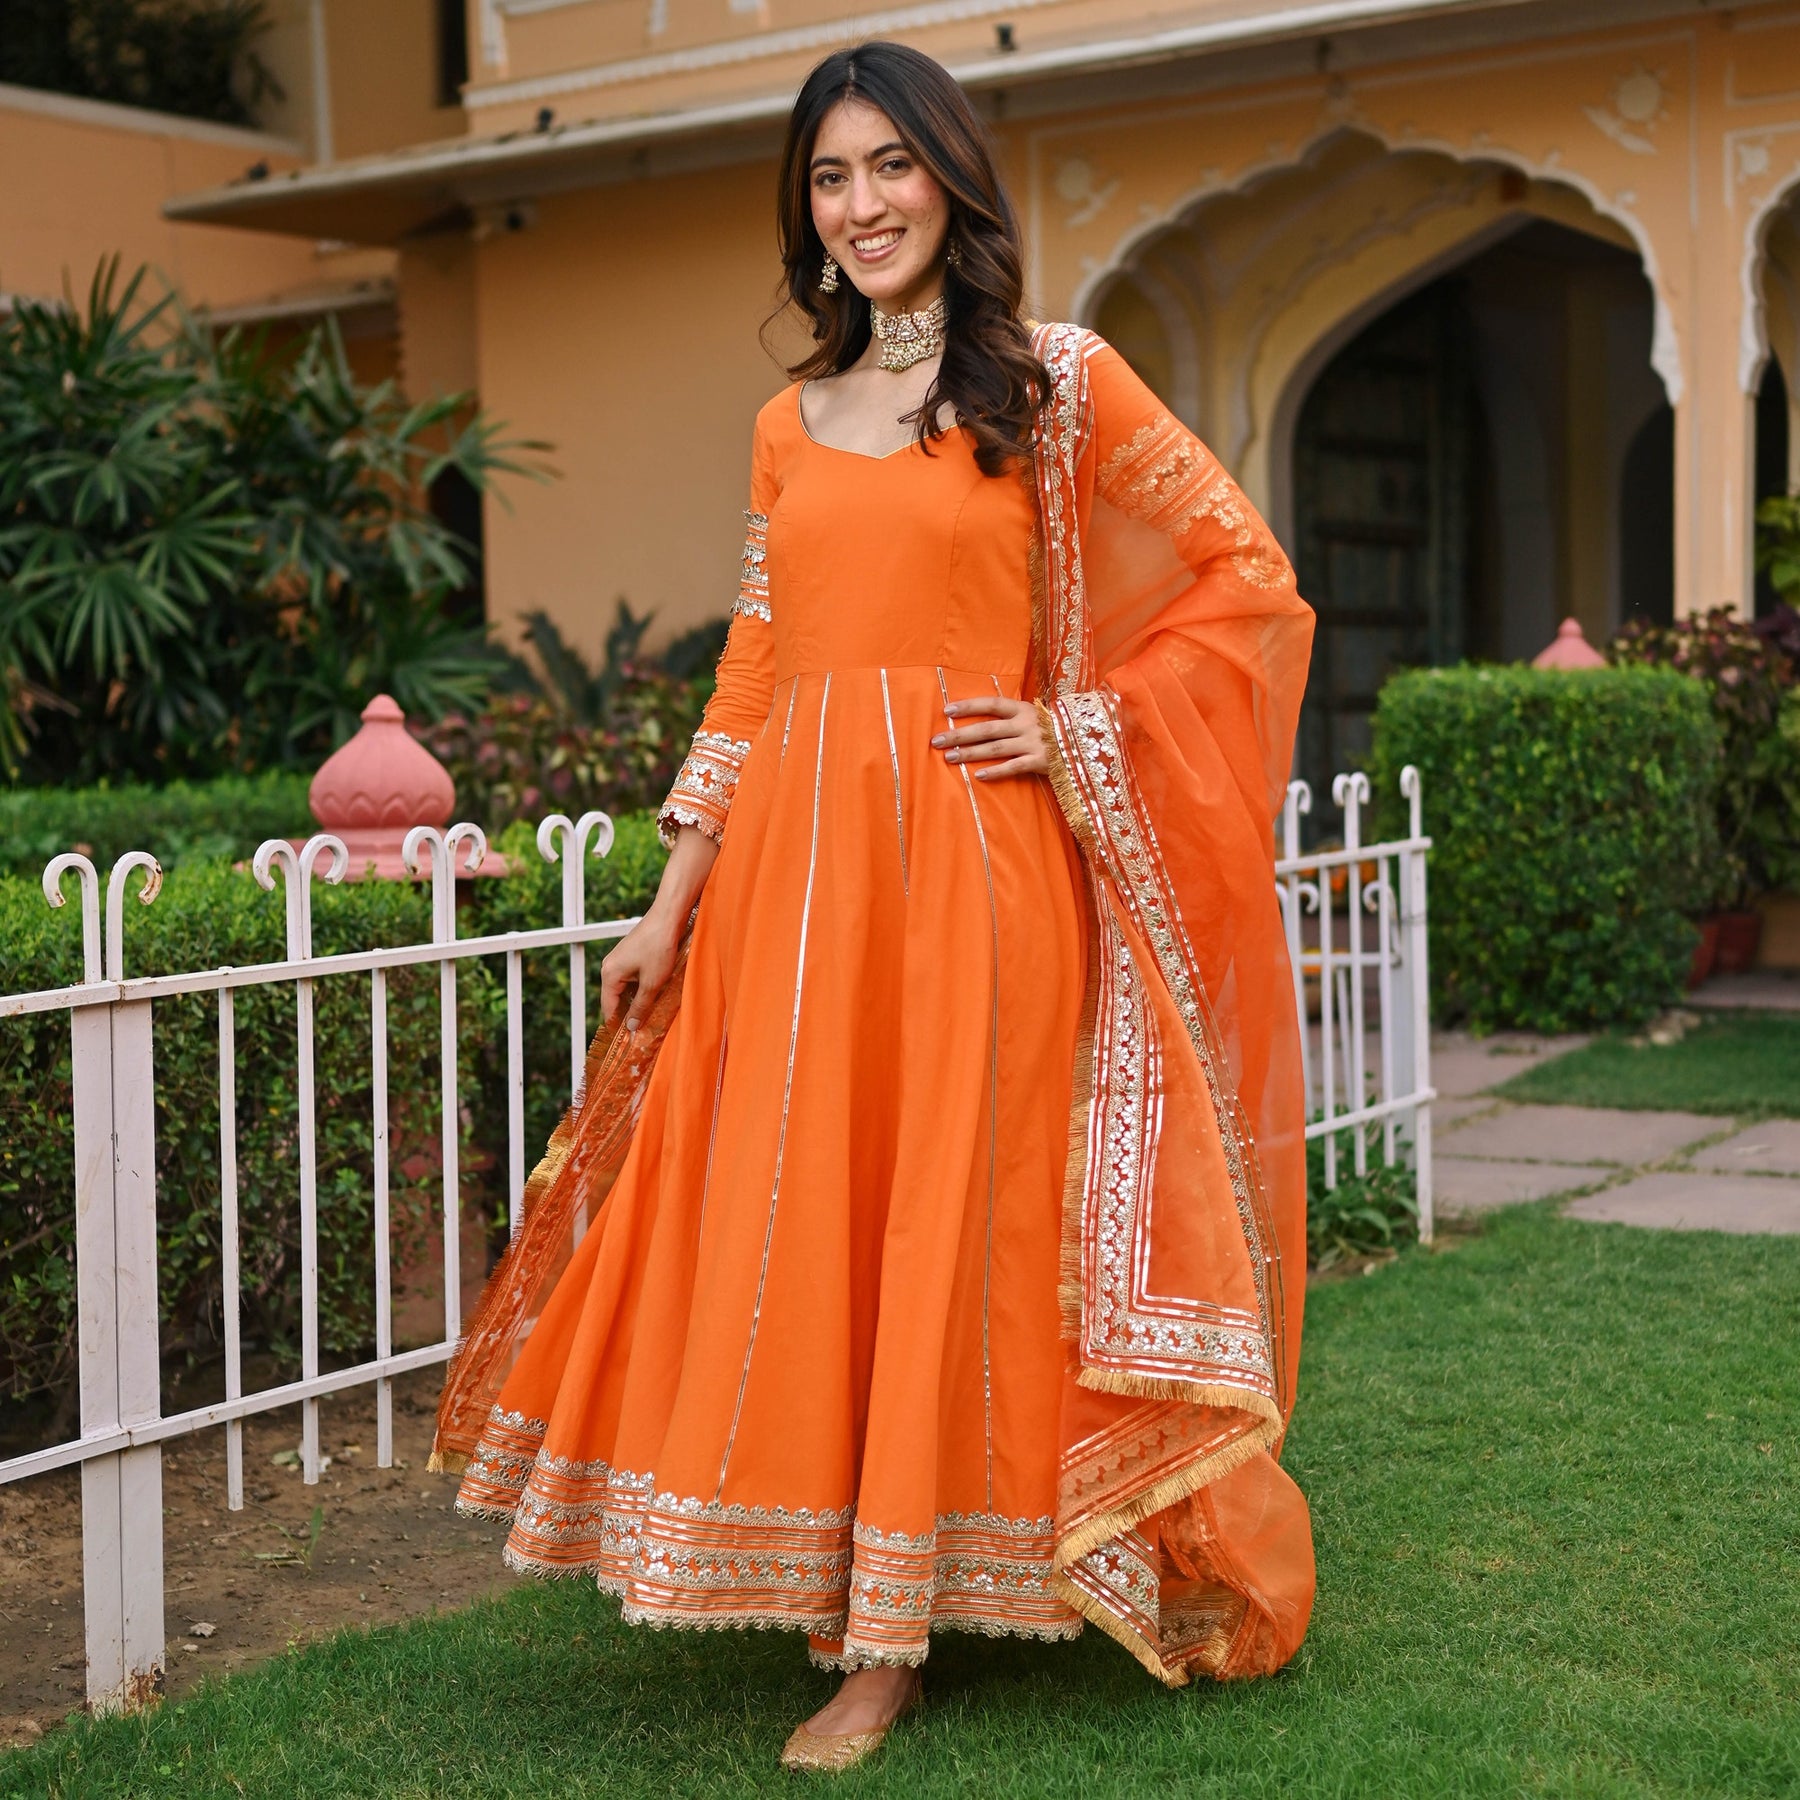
<point x="828" y="275"/>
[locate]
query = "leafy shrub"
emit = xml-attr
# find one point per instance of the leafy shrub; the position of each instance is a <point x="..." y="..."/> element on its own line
<point x="195" y="58"/>
<point x="180" y="822"/>
<point x="214" y="555"/>
<point x="1372" y="1214"/>
<point x="1778" y="545"/>
<point x="211" y="913"/>
<point x="1749" y="680"/>
<point x="1571" y="814"/>
<point x="574" y="737"/>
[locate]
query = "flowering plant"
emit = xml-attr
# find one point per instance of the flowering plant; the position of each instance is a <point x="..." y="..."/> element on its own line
<point x="1749" y="672"/>
<point x="568" y="737"/>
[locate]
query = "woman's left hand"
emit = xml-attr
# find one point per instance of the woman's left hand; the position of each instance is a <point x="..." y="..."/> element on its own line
<point x="1008" y="735"/>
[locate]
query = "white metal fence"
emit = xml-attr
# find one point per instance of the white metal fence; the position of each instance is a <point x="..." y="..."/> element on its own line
<point x="1363" y="986"/>
<point x="1365" y="975"/>
<point x="122" y="1423"/>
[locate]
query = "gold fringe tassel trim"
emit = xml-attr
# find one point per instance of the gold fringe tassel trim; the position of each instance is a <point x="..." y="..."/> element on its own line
<point x="1115" y="1628"/>
<point x="1163" y="1494"/>
<point x="1062" y="783"/>
<point x="446" y="1462"/>
<point x="1167" y="1387"/>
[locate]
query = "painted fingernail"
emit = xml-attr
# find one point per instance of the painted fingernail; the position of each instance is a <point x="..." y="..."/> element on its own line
<point x="938" y="742"/>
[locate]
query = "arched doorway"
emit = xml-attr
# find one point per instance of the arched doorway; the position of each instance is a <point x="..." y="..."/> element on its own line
<point x="1438" y="379"/>
<point x="1488" y="456"/>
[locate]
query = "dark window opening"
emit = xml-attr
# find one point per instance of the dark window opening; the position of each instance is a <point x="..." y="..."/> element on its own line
<point x="1771" y="461"/>
<point x="453" y="51"/>
<point x="1647" y="521"/>
<point x="456" y="505"/>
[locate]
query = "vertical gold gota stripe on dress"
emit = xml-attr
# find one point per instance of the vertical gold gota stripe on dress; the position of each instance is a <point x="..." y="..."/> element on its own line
<point x="788" y="725"/>
<point x="987" y="1261"/>
<point x="887" y="712"/>
<point x="787" y="1090"/>
<point x="712" y="1138"/>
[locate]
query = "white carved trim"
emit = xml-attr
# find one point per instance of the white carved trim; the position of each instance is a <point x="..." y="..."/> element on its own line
<point x="105" y="116"/>
<point x="826" y="34"/>
<point x="1753" y="326"/>
<point x="1665" y="349"/>
<point x="1261" y="26"/>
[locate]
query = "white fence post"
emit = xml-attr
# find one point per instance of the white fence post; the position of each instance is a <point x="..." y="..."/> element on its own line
<point x="1412" y="1008"/>
<point x="117" y="1346"/>
<point x="574" y="836"/>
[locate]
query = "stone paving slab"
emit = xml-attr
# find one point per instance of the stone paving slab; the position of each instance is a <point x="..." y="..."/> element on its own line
<point x="1465" y="1184"/>
<point x="1675" y="1200"/>
<point x="1759" y="990"/>
<point x="1772" y="1148"/>
<point x="1579" y="1134"/>
<point x="1445" y="1113"/>
<point x="1462" y="1065"/>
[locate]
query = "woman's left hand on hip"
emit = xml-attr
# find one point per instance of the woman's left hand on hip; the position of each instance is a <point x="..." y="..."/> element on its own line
<point x="1005" y="734"/>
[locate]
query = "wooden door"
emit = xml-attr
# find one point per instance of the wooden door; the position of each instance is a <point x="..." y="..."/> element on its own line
<point x="1383" y="470"/>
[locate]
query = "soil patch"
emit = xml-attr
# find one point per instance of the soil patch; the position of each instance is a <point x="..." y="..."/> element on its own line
<point x="387" y="1546"/>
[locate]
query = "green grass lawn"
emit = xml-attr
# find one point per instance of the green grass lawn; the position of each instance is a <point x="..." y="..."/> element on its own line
<point x="1748" y="1064"/>
<point x="1555" y="1475"/>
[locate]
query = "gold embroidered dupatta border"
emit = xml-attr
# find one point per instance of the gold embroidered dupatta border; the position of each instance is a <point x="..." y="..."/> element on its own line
<point x="1220" y="1372"/>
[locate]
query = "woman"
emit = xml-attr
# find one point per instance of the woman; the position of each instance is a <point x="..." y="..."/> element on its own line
<point x="946" y="1177"/>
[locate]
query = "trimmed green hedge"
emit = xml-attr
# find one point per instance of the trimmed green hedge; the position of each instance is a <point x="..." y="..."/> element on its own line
<point x="1571" y="814"/>
<point x="182" y="822"/>
<point x="211" y="913"/>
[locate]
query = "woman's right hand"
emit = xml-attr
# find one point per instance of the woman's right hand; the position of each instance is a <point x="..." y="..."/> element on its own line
<point x="638" y="966"/>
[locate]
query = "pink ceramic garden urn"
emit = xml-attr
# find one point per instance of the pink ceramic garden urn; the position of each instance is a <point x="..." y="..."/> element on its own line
<point x="1569" y="649"/>
<point x="373" y="790"/>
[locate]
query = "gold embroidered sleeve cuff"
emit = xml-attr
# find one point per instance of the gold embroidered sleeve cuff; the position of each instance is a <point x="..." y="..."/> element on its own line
<point x="752" y="600"/>
<point x="702" y="793"/>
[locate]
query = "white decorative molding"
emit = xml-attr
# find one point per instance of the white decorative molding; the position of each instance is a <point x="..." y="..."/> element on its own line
<point x="1258" y="26"/>
<point x="1665" y="351"/>
<point x="106" y="116"/>
<point x="1753" y="327"/>
<point x="826" y="34"/>
<point x="1638" y="107"/>
<point x="1078" y="187"/>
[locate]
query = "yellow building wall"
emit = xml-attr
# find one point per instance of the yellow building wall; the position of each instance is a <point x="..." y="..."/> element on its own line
<point x="86" y="181"/>
<point x="622" y="325"/>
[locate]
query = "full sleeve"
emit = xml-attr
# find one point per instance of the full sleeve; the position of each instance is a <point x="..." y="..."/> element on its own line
<point x="708" y="779"/>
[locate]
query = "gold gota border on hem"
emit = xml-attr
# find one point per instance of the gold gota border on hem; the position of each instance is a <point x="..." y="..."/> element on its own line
<point x="1169" y="1491"/>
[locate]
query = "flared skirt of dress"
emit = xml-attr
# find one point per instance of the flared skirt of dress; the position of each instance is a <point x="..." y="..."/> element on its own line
<point x="805" y="1368"/>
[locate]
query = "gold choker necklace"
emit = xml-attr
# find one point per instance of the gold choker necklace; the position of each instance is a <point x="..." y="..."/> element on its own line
<point x="909" y="337"/>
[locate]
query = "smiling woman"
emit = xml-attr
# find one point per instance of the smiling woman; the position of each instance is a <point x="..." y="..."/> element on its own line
<point x="943" y="1148"/>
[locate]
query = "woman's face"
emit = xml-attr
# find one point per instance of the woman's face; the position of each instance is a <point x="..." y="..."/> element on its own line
<point x="877" y="210"/>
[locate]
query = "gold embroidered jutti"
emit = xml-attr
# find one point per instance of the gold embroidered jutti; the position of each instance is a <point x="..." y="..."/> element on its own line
<point x="948" y="1214"/>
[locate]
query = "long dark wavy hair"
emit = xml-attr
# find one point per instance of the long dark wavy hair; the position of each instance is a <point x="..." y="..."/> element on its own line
<point x="988" y="374"/>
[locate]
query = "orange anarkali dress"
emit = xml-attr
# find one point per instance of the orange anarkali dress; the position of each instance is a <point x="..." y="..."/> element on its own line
<point x="932" y="1279"/>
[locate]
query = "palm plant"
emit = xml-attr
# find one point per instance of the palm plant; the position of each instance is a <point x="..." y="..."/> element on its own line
<point x="212" y="555"/>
